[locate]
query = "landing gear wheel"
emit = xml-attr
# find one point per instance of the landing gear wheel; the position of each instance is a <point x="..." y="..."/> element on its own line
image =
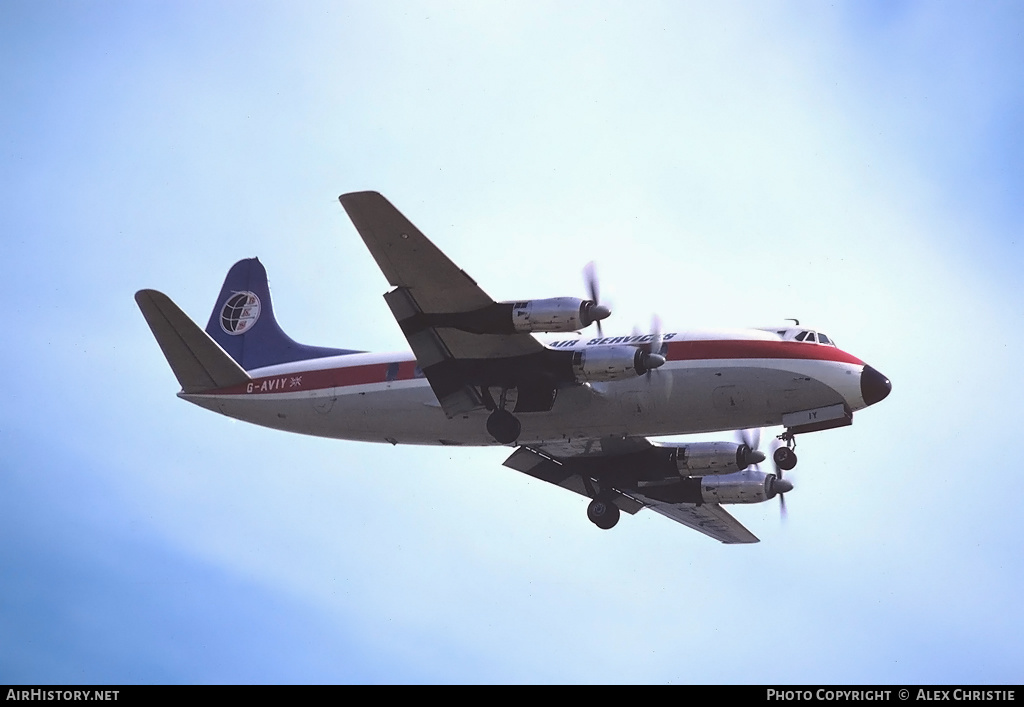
<point x="503" y="426"/>
<point x="603" y="513"/>
<point x="785" y="458"/>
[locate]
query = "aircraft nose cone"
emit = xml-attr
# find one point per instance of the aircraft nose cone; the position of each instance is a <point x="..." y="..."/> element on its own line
<point x="874" y="387"/>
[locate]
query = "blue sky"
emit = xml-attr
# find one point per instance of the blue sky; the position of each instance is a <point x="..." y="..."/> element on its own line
<point x="856" y="165"/>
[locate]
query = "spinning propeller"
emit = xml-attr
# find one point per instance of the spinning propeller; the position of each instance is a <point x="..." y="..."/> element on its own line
<point x="653" y="357"/>
<point x="752" y="438"/>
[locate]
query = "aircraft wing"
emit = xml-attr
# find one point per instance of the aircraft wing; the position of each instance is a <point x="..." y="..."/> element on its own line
<point x="428" y="289"/>
<point x="408" y="259"/>
<point x="581" y="474"/>
<point x="555" y="471"/>
<point x="708" y="518"/>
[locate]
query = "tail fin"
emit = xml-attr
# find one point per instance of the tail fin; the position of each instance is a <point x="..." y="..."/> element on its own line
<point x="243" y="322"/>
<point x="198" y="363"/>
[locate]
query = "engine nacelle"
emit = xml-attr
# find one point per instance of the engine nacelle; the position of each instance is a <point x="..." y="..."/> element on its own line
<point x="707" y="458"/>
<point x="557" y="314"/>
<point x="741" y="487"/>
<point x="608" y="363"/>
<point x="554" y="314"/>
<point x="747" y="486"/>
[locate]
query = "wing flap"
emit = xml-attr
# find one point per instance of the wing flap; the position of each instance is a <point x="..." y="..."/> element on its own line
<point x="544" y="468"/>
<point x="576" y="472"/>
<point x="464" y="345"/>
<point x="593" y="447"/>
<point x="432" y="344"/>
<point x="429" y="288"/>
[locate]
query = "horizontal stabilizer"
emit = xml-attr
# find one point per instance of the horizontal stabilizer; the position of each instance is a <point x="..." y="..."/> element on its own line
<point x="198" y="362"/>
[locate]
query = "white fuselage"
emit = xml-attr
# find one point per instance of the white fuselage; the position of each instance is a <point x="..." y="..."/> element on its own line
<point x="712" y="381"/>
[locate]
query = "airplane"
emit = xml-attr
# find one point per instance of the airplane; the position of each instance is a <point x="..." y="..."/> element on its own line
<point x="580" y="411"/>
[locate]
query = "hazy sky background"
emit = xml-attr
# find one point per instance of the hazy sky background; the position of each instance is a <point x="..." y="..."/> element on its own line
<point x="856" y="165"/>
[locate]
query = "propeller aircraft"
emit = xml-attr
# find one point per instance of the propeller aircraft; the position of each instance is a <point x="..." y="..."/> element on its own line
<point x="579" y="410"/>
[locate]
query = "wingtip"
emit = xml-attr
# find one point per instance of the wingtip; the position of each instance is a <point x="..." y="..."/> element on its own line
<point x="354" y="195"/>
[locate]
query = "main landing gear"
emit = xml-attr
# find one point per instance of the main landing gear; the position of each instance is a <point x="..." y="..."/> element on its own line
<point x="502" y="425"/>
<point x="603" y="513"/>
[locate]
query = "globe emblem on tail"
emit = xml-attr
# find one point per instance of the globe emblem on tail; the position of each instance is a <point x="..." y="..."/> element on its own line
<point x="239" y="313"/>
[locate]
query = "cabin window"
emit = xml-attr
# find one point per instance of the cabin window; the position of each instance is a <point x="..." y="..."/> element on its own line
<point x="392" y="372"/>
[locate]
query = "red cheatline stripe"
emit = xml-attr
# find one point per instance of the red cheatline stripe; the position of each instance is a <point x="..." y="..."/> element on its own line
<point x="677" y="351"/>
<point x="740" y="349"/>
<point x="316" y="380"/>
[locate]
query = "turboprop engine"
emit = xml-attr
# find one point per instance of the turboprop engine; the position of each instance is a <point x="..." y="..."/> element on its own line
<point x="749" y="486"/>
<point x="611" y="363"/>
<point x="708" y="458"/>
<point x="556" y="314"/>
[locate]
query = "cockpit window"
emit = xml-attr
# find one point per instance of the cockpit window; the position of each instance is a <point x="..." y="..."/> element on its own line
<point x="812" y="337"/>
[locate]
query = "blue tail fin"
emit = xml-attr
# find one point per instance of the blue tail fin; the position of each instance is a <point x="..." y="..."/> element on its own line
<point x="243" y="322"/>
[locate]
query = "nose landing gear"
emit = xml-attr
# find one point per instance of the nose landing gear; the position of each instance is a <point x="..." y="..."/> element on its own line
<point x="785" y="457"/>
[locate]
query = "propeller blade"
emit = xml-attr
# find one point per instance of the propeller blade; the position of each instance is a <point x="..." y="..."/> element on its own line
<point x="782" y="487"/>
<point x="654" y="357"/>
<point x="779" y="486"/>
<point x="590" y="278"/>
<point x="750" y="437"/>
<point x="597" y="311"/>
<point x="656" y="341"/>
